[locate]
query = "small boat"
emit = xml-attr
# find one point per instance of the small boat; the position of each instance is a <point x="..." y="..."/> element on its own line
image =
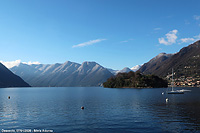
<point x="172" y="84"/>
<point x="184" y="90"/>
<point x="175" y="92"/>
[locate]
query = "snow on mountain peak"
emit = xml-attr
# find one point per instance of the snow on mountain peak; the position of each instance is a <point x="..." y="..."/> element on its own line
<point x="135" y="68"/>
<point x="31" y="63"/>
<point x="67" y="74"/>
<point x="68" y="63"/>
<point x="162" y="54"/>
<point x="10" y="64"/>
<point x="124" y="70"/>
<point x="89" y="66"/>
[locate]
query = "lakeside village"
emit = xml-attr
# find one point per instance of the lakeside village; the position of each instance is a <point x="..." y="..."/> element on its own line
<point x="184" y="81"/>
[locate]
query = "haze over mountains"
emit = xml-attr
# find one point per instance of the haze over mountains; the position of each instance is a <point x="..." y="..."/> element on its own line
<point x="63" y="75"/>
<point x="8" y="79"/>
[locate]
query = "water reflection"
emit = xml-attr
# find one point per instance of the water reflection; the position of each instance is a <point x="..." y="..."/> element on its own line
<point x="8" y="110"/>
<point x="106" y="110"/>
<point x="181" y="113"/>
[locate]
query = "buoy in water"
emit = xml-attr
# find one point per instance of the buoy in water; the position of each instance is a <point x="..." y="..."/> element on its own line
<point x="163" y="93"/>
<point x="8" y="97"/>
<point x="167" y="99"/>
<point x="82" y="107"/>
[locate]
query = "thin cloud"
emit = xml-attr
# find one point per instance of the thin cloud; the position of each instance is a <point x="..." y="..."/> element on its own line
<point x="186" y="40"/>
<point x="30" y="62"/>
<point x="196" y="17"/>
<point x="190" y="40"/>
<point x="197" y="37"/>
<point x="187" y="22"/>
<point x="125" y="41"/>
<point x="10" y="64"/>
<point x="91" y="42"/>
<point x="157" y="29"/>
<point x="169" y="38"/>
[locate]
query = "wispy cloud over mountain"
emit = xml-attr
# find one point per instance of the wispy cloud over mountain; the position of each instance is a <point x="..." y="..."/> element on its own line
<point x="30" y="62"/>
<point x="190" y="40"/>
<point x="185" y="40"/>
<point x="169" y="38"/>
<point x="10" y="64"/>
<point x="91" y="42"/>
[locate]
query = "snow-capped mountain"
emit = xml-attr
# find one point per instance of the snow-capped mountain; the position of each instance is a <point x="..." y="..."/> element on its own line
<point x="135" y="68"/>
<point x="66" y="74"/>
<point x="10" y="64"/>
<point x="161" y="55"/>
<point x="125" y="70"/>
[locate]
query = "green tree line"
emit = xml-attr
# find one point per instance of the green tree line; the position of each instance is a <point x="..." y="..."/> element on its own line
<point x="135" y="80"/>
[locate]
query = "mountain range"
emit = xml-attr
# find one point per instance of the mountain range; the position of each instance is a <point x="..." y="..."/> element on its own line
<point x="8" y="79"/>
<point x="186" y="62"/>
<point x="125" y="70"/>
<point x="62" y="75"/>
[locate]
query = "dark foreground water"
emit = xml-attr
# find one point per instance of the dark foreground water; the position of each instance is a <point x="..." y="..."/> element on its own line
<point x="106" y="110"/>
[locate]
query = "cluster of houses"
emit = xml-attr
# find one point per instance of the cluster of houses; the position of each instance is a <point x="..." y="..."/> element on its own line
<point x="187" y="81"/>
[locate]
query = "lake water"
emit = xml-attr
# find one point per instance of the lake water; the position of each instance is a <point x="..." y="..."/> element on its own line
<point x="106" y="110"/>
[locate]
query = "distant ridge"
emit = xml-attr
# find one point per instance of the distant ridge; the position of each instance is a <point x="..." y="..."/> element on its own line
<point x="63" y="75"/>
<point x="186" y="62"/>
<point x="154" y="64"/>
<point x="125" y="70"/>
<point x="8" y="79"/>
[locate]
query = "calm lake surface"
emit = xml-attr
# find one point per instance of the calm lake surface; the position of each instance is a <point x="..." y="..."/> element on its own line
<point x="58" y="109"/>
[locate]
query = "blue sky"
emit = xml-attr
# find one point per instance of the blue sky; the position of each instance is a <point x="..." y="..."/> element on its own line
<point x="113" y="33"/>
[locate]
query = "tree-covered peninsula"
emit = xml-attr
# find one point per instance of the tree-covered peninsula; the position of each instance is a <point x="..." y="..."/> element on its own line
<point x="135" y="80"/>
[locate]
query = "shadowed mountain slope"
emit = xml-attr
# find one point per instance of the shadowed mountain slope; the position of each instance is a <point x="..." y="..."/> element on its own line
<point x="185" y="63"/>
<point x="8" y="79"/>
